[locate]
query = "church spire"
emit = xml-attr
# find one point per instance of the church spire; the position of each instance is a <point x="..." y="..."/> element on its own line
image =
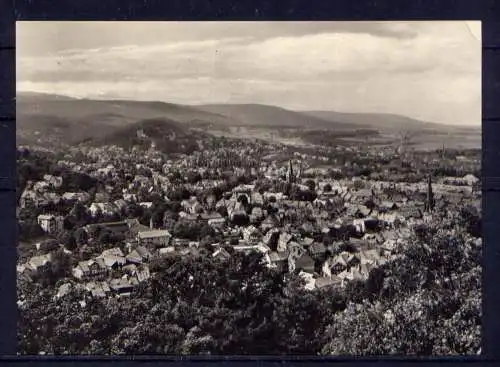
<point x="291" y="177"/>
<point x="430" y="196"/>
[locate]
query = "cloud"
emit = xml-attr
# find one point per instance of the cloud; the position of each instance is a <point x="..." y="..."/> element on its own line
<point x="271" y="58"/>
<point x="428" y="70"/>
<point x="38" y="38"/>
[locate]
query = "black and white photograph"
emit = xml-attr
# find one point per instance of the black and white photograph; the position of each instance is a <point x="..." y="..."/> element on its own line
<point x="249" y="188"/>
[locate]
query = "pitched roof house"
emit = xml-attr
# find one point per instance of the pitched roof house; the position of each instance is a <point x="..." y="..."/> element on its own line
<point x="251" y="234"/>
<point x="309" y="279"/>
<point x="283" y="241"/>
<point x="90" y="269"/>
<point x="115" y="251"/>
<point x="139" y="255"/>
<point x="303" y="262"/>
<point x="40" y="263"/>
<point x="121" y="286"/>
<point x="98" y="289"/>
<point x="142" y="274"/>
<point x="155" y="237"/>
<point x="221" y="254"/>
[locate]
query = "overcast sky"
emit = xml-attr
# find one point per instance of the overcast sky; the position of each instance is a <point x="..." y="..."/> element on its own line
<point x="425" y="70"/>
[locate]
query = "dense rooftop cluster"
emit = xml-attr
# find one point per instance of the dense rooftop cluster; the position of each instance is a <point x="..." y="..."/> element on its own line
<point x="102" y="223"/>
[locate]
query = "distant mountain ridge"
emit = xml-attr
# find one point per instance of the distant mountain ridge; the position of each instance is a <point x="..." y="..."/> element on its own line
<point x="259" y="115"/>
<point x="51" y="96"/>
<point x="48" y="119"/>
<point x="60" y="119"/>
<point x="383" y="121"/>
<point x="124" y="111"/>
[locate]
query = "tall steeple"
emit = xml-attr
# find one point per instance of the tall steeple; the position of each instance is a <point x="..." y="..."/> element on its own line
<point x="429" y="205"/>
<point x="291" y="177"/>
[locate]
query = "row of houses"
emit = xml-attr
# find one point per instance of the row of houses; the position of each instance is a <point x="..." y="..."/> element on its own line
<point x="104" y="288"/>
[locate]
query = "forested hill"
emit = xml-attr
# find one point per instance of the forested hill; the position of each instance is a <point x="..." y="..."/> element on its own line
<point x="168" y="136"/>
<point x="259" y="115"/>
<point x="51" y="120"/>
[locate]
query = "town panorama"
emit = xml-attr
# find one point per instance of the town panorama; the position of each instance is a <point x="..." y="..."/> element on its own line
<point x="161" y="228"/>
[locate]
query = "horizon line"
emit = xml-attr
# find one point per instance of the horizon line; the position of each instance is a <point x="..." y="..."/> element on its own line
<point x="111" y="99"/>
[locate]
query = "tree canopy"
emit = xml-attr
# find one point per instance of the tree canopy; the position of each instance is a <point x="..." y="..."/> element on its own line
<point x="198" y="304"/>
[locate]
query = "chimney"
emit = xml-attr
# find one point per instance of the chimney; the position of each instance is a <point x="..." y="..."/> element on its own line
<point x="151" y="226"/>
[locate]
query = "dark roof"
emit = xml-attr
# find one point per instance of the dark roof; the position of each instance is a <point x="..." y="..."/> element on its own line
<point x="304" y="261"/>
<point x="278" y="256"/>
<point x="112" y="226"/>
<point x="134" y="256"/>
<point x="120" y="284"/>
<point x="317" y="248"/>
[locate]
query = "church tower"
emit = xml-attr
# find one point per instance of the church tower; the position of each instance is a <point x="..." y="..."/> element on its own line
<point x="429" y="205"/>
<point x="290" y="175"/>
<point x="299" y="173"/>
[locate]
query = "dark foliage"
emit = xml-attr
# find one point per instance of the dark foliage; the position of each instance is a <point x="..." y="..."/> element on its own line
<point x="200" y="305"/>
<point x="168" y="136"/>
